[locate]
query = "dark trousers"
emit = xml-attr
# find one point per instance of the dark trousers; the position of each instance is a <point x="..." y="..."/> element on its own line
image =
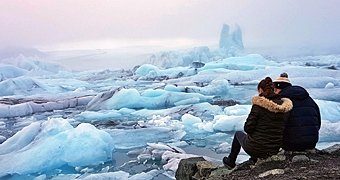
<point x="238" y="142"/>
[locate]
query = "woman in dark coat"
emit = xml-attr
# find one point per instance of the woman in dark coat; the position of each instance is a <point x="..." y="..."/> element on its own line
<point x="264" y="125"/>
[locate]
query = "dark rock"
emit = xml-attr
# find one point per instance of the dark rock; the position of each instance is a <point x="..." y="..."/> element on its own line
<point x="12" y="101"/>
<point x="335" y="149"/>
<point x="201" y="84"/>
<point x="187" y="168"/>
<point x="180" y="74"/>
<point x="197" y="64"/>
<point x="224" y="102"/>
<point x="310" y="164"/>
<point x="221" y="171"/>
<point x="332" y="67"/>
<point x="271" y="172"/>
<point x="300" y="158"/>
<point x="105" y="124"/>
<point x="204" y="168"/>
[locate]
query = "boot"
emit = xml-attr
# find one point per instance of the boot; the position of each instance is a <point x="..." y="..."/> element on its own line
<point x="228" y="164"/>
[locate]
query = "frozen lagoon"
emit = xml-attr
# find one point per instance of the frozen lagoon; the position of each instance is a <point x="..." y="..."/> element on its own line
<point x="138" y="124"/>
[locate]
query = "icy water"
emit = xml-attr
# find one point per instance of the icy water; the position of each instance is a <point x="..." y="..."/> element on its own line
<point x="138" y="124"/>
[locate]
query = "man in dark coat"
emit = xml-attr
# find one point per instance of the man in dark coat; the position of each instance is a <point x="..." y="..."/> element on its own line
<point x="302" y="128"/>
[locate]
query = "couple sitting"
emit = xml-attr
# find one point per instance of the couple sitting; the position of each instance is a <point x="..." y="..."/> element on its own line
<point x="282" y="116"/>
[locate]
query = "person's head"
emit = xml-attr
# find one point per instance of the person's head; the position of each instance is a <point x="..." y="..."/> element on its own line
<point x="281" y="83"/>
<point x="265" y="87"/>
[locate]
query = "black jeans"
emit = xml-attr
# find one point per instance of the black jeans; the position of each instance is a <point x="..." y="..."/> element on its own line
<point x="238" y="142"/>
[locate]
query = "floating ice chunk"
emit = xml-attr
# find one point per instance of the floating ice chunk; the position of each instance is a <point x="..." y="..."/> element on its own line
<point x="316" y="81"/>
<point x="160" y="146"/>
<point x="148" y="70"/>
<point x="144" y="157"/>
<point x="179" y="144"/>
<point x="150" y="99"/>
<point x="223" y="148"/>
<point x="30" y="107"/>
<point x="324" y="94"/>
<point x="237" y="110"/>
<point x="190" y="120"/>
<point x="121" y="175"/>
<point x="125" y="98"/>
<point x="159" y="121"/>
<point x="201" y="109"/>
<point x="207" y="126"/>
<point x="171" y="87"/>
<point x="329" y="85"/>
<point x="41" y="177"/>
<point x="216" y="87"/>
<point x="329" y="131"/>
<point x="101" y="97"/>
<point x="20" y="139"/>
<point x="329" y="110"/>
<point x="145" y="175"/>
<point x="51" y="144"/>
<point x="88" y="116"/>
<point x="229" y="123"/>
<point x="167" y="147"/>
<point x="244" y="63"/>
<point x="133" y="138"/>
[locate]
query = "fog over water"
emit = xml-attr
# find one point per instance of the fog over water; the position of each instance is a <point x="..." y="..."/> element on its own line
<point x="64" y="25"/>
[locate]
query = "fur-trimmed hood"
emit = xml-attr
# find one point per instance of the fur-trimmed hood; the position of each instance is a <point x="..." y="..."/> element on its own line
<point x="286" y="106"/>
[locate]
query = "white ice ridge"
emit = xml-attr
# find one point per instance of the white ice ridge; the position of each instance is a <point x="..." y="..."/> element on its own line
<point x="149" y="99"/>
<point x="48" y="145"/>
<point x="30" y="107"/>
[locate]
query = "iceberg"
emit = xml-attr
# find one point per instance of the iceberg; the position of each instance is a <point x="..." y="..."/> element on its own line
<point x="149" y="99"/>
<point x="231" y="40"/>
<point x="230" y="44"/>
<point x="47" y="145"/>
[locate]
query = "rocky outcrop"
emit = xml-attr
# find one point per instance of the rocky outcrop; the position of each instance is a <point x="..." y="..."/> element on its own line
<point x="312" y="164"/>
<point x="188" y="168"/>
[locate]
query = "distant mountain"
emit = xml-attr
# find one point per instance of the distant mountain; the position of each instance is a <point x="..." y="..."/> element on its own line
<point x="10" y="52"/>
<point x="27" y="59"/>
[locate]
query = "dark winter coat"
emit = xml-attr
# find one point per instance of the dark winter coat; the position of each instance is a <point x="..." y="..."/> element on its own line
<point x="265" y="125"/>
<point x="302" y="128"/>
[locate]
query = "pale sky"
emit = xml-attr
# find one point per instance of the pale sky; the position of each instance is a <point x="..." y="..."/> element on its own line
<point x="63" y="24"/>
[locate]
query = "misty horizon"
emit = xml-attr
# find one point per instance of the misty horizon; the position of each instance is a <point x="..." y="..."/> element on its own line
<point x="64" y="25"/>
